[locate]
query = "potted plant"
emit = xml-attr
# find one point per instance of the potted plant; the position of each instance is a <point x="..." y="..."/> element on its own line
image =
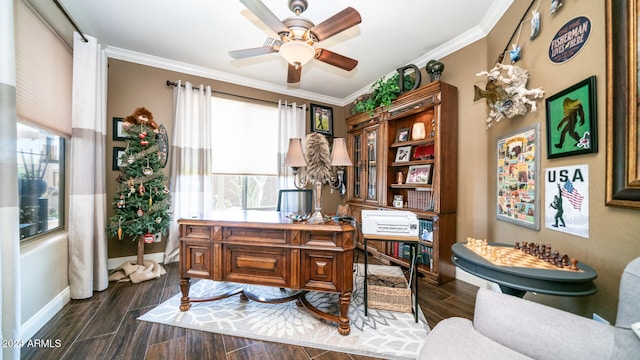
<point x="383" y="92"/>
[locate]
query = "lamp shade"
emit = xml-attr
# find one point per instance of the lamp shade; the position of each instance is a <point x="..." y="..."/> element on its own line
<point x="295" y="157"/>
<point x="339" y="155"/>
<point x="297" y="52"/>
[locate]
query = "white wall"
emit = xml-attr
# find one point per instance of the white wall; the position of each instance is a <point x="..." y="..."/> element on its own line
<point x="44" y="283"/>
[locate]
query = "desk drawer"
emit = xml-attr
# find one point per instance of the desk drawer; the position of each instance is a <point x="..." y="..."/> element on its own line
<point x="196" y="260"/>
<point x="263" y="266"/>
<point x="196" y="231"/>
<point x="320" y="271"/>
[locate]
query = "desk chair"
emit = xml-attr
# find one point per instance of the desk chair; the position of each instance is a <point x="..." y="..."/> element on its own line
<point x="295" y="201"/>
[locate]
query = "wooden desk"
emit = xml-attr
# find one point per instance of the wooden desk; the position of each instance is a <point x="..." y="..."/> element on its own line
<point x="266" y="248"/>
<point x="518" y="280"/>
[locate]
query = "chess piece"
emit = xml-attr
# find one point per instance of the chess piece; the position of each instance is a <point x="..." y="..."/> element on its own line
<point x="574" y="265"/>
<point x="517" y="247"/>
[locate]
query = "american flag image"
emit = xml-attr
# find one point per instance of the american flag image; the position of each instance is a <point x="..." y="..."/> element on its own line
<point x="572" y="195"/>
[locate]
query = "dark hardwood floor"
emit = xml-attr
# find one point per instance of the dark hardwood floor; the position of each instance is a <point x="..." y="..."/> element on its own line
<point x="105" y="326"/>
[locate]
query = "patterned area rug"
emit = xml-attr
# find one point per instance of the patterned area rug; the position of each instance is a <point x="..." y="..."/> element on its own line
<point x="385" y="334"/>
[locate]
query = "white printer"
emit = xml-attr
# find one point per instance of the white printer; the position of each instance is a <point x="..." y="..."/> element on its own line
<point x="389" y="222"/>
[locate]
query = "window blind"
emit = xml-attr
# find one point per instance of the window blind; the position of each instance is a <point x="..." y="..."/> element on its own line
<point x="44" y="68"/>
<point x="245" y="137"/>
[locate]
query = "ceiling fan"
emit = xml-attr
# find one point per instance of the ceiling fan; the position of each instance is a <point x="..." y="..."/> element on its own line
<point x="297" y="36"/>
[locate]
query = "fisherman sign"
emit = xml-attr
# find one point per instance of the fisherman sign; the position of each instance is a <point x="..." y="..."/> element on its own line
<point x="569" y="40"/>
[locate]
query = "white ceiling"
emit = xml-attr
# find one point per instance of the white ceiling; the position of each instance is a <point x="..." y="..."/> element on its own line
<point x="195" y="36"/>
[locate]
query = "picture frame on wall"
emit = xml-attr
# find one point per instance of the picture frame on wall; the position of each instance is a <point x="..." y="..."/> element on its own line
<point x="419" y="174"/>
<point x="322" y="119"/>
<point x="403" y="153"/>
<point x="572" y="120"/>
<point x="117" y="158"/>
<point x="118" y="130"/>
<point x="517" y="167"/>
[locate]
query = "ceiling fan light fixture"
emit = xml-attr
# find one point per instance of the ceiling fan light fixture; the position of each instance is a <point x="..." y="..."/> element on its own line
<point x="297" y="53"/>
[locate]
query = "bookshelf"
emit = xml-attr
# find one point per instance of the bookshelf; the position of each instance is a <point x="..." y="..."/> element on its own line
<point x="422" y="171"/>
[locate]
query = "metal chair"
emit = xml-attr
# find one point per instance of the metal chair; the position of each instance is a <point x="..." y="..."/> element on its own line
<point x="298" y="201"/>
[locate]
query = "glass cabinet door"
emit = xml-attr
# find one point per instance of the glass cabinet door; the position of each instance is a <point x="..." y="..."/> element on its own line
<point x="371" y="168"/>
<point x="357" y="165"/>
<point x="364" y="154"/>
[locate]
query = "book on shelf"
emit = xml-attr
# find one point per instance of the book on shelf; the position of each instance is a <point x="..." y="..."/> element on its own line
<point x="421" y="199"/>
<point x="426" y="256"/>
<point x="425" y="229"/>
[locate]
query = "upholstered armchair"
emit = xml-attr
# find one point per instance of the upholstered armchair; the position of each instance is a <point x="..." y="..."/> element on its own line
<point x="508" y="327"/>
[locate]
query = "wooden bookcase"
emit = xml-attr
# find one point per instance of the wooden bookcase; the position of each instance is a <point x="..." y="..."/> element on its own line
<point x="372" y="181"/>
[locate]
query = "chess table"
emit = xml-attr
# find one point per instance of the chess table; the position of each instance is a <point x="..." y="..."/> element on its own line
<point x="518" y="275"/>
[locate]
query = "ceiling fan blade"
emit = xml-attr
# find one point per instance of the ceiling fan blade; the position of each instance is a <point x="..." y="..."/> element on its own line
<point x="259" y="9"/>
<point x="245" y="53"/>
<point x="335" y="59"/>
<point x="293" y="74"/>
<point x="337" y="23"/>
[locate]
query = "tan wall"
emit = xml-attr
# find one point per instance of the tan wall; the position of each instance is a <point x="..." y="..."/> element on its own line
<point x="132" y="85"/>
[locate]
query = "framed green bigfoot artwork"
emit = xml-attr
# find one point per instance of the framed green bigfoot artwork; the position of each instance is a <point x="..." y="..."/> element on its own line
<point x="572" y="120"/>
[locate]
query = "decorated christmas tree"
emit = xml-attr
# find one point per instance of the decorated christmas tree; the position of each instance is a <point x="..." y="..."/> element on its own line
<point x="141" y="200"/>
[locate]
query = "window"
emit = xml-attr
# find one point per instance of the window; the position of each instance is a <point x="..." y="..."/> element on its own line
<point x="40" y="180"/>
<point x="245" y="154"/>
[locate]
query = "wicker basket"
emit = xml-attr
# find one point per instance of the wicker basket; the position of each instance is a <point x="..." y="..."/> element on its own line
<point x="389" y="292"/>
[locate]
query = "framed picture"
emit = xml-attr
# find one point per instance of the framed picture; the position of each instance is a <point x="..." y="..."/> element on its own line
<point x="402" y="135"/>
<point x="322" y="119"/>
<point x="117" y="155"/>
<point x="403" y="153"/>
<point x="571" y="120"/>
<point x="623" y="123"/>
<point x="423" y="152"/>
<point x="517" y="172"/>
<point x="118" y="131"/>
<point x="419" y="174"/>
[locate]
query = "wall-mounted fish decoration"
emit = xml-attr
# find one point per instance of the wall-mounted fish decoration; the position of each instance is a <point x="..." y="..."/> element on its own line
<point x="535" y="24"/>
<point x="506" y="93"/>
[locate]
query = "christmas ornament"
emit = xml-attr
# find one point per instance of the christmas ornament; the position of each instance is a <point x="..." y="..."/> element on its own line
<point x="150" y="201"/>
<point x="131" y="159"/>
<point x="140" y="212"/>
<point x="148" y="171"/>
<point x="148" y="238"/>
<point x="121" y="203"/>
<point x="119" y="228"/>
<point x="141" y="190"/>
<point x="158" y="220"/>
<point x="144" y="143"/>
<point x="142" y="135"/>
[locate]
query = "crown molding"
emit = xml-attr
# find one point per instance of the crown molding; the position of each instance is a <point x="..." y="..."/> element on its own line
<point x="494" y="14"/>
<point x="167" y="64"/>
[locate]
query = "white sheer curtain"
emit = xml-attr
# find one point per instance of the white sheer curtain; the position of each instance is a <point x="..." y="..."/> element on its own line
<point x="87" y="199"/>
<point x="292" y="120"/>
<point x="191" y="152"/>
<point x="9" y="212"/>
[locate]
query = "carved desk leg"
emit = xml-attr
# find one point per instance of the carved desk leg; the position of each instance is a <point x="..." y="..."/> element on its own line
<point x="343" y="323"/>
<point x="185" y="284"/>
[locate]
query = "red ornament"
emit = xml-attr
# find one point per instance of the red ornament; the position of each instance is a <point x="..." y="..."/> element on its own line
<point x="142" y="136"/>
<point x="144" y="143"/>
<point x="149" y="238"/>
